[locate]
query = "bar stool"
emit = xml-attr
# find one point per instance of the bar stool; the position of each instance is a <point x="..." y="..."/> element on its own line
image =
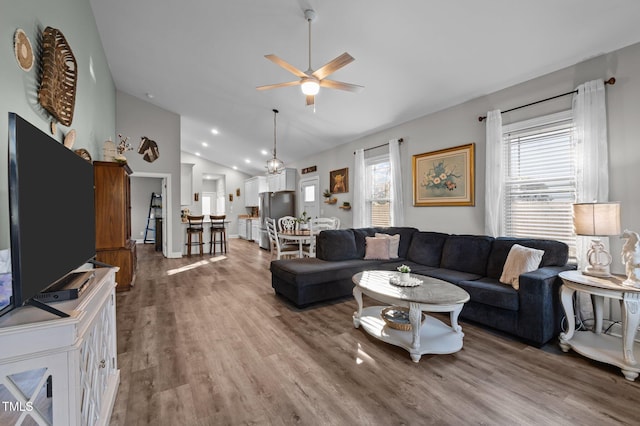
<point x="217" y="229"/>
<point x="195" y="228"/>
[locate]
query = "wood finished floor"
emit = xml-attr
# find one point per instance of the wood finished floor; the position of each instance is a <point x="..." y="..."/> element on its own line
<point x="204" y="341"/>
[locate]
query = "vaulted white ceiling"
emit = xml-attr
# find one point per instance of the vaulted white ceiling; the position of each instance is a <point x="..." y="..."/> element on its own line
<point x="203" y="60"/>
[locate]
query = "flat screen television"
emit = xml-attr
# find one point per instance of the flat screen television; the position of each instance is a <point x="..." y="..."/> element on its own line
<point x="51" y="206"/>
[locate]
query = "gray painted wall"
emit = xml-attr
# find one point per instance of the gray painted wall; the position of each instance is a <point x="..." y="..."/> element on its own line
<point x="232" y="179"/>
<point x="94" y="113"/>
<point x="136" y="118"/>
<point x="459" y="125"/>
<point x="141" y="189"/>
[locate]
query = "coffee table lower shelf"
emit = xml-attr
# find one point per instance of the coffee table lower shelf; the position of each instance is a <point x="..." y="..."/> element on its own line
<point x="435" y="336"/>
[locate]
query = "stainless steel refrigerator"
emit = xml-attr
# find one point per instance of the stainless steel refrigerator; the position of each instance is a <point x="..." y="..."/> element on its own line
<point x="274" y="205"/>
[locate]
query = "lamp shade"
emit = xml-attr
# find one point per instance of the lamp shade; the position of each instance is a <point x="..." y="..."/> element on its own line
<point x="596" y="219"/>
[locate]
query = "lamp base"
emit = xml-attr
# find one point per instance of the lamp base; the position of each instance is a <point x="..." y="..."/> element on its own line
<point x="596" y="272"/>
<point x="599" y="260"/>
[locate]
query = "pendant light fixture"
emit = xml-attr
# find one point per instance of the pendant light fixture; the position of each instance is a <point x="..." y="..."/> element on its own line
<point x="274" y="165"/>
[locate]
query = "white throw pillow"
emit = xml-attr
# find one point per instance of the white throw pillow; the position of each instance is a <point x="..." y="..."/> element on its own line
<point x="377" y="248"/>
<point x="394" y="243"/>
<point x="520" y="261"/>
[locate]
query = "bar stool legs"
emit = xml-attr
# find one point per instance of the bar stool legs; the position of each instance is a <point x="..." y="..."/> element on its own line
<point x="195" y="228"/>
<point x="218" y="229"/>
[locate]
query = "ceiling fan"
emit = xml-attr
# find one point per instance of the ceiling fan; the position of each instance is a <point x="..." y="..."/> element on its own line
<point x="310" y="80"/>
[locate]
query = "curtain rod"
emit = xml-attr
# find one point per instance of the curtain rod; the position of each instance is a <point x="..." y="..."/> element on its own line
<point x="379" y="146"/>
<point x="611" y="81"/>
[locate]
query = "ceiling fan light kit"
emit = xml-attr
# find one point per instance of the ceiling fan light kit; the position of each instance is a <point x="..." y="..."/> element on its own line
<point x="310" y="80"/>
<point x="310" y="86"/>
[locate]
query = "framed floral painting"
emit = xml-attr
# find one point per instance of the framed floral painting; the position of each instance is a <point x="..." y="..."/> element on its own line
<point x="444" y="177"/>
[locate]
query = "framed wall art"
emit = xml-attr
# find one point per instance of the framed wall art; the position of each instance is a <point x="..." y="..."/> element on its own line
<point x="339" y="180"/>
<point x="444" y="177"/>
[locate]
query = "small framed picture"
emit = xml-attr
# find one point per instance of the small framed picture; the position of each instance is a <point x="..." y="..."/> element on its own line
<point x="339" y="180"/>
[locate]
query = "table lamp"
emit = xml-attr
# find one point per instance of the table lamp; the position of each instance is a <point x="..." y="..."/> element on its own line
<point x="598" y="220"/>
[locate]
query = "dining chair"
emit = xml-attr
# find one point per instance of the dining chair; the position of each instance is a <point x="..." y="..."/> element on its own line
<point x="337" y="222"/>
<point x="287" y="224"/>
<point x="281" y="248"/>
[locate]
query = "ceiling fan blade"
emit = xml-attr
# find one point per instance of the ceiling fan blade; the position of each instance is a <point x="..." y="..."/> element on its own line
<point x="310" y="99"/>
<point x="287" y="66"/>
<point x="333" y="66"/>
<point x="332" y="84"/>
<point x="275" y="86"/>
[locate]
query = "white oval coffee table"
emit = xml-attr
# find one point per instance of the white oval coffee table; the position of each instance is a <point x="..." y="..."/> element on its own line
<point x="433" y="295"/>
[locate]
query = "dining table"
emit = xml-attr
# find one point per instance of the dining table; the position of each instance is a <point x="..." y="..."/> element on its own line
<point x="300" y="236"/>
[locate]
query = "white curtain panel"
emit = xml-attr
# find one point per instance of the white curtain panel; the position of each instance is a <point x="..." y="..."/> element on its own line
<point x="493" y="175"/>
<point x="397" y="202"/>
<point x="592" y="169"/>
<point x="359" y="182"/>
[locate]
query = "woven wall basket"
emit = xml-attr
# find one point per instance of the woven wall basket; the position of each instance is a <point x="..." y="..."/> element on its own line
<point x="57" y="92"/>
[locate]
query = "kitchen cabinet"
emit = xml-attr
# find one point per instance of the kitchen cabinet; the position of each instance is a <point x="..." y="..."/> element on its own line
<point x="255" y="230"/>
<point x="186" y="184"/>
<point x="252" y="187"/>
<point x="285" y="181"/>
<point x="242" y="228"/>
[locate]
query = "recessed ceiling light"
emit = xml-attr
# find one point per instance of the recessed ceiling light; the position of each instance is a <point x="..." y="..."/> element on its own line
<point x="215" y="131"/>
<point x="198" y="154"/>
<point x="264" y="152"/>
<point x="247" y="161"/>
<point x="205" y="144"/>
<point x="150" y="95"/>
<point x="235" y="167"/>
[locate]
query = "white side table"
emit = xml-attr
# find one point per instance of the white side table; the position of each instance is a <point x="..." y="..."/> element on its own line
<point x="606" y="348"/>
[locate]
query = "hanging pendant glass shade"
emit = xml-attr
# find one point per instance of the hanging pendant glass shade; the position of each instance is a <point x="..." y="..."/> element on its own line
<point x="274" y="165"/>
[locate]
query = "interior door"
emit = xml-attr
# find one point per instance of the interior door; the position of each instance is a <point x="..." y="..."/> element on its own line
<point x="310" y="197"/>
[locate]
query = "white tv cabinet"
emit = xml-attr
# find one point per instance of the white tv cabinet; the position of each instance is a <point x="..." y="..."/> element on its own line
<point x="78" y="352"/>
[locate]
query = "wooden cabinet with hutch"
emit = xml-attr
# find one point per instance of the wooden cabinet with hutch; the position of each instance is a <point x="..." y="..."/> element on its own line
<point x="114" y="245"/>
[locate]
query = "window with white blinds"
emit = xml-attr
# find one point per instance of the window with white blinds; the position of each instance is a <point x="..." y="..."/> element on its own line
<point x="540" y="179"/>
<point x="378" y="187"/>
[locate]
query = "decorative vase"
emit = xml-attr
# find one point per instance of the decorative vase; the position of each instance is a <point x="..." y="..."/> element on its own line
<point x="304" y="226"/>
<point x="405" y="276"/>
<point x="109" y="150"/>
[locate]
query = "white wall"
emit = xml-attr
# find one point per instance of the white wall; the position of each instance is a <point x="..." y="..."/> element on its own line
<point x="94" y="113"/>
<point x="459" y="125"/>
<point x="232" y="180"/>
<point x="136" y="118"/>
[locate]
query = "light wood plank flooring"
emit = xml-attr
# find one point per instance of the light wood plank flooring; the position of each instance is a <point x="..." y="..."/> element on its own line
<point x="204" y="341"/>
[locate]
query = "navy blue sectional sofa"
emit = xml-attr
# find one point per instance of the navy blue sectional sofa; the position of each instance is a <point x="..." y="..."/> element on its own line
<point x="473" y="262"/>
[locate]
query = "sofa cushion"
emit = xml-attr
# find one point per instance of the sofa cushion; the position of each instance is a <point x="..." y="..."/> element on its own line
<point x="426" y="248"/>
<point x="466" y="253"/>
<point x="336" y="244"/>
<point x="394" y="243"/>
<point x="406" y="235"/>
<point x="556" y="253"/>
<point x="392" y="265"/>
<point x="520" y="261"/>
<point x="359" y="235"/>
<point x="311" y="271"/>
<point x="449" y="275"/>
<point x="491" y="292"/>
<point x="377" y="248"/>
